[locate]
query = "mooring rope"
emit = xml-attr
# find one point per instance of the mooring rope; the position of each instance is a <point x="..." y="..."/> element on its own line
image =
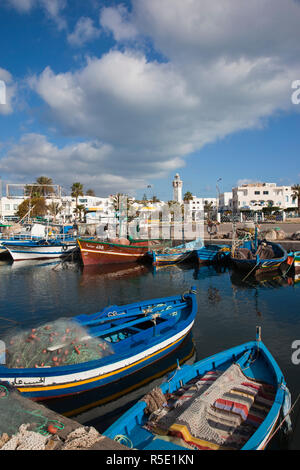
<point x="283" y="420"/>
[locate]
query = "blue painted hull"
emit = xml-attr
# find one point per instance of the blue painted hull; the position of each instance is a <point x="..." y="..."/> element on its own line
<point x="213" y="254"/>
<point x="259" y="265"/>
<point x="152" y="336"/>
<point x="263" y="368"/>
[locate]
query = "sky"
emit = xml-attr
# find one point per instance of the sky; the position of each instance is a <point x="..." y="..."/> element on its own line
<point x="122" y="95"/>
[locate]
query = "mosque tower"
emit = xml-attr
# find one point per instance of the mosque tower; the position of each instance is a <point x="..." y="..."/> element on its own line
<point x="177" y="189"/>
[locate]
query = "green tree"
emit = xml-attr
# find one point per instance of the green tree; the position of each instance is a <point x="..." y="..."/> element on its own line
<point x="54" y="208"/>
<point x="76" y="191"/>
<point x="36" y="205"/>
<point x="42" y="188"/>
<point x="90" y="192"/>
<point x="188" y="196"/>
<point x="80" y="210"/>
<point x="296" y="195"/>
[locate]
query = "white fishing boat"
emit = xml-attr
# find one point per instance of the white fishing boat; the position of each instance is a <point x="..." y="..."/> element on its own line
<point x="41" y="249"/>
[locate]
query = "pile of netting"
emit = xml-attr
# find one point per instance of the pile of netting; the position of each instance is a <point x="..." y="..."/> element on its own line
<point x="59" y="343"/>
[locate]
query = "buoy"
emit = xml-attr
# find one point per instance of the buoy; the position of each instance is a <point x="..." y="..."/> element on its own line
<point x="52" y="429"/>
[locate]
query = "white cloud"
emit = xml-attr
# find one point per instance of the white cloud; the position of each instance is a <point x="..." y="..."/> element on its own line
<point x="89" y="162"/>
<point x="117" y="20"/>
<point x="9" y="91"/>
<point x="84" y="31"/>
<point x="228" y="66"/>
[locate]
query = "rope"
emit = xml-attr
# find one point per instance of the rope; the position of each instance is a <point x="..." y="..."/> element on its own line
<point x="284" y="419"/>
<point x="250" y="271"/>
<point x="121" y="439"/>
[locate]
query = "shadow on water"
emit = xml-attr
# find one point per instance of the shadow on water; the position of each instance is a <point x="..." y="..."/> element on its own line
<point x="101" y="407"/>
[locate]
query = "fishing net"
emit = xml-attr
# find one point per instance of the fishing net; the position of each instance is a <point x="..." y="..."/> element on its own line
<point x="59" y="343"/>
<point x="220" y="409"/>
<point x="16" y="411"/>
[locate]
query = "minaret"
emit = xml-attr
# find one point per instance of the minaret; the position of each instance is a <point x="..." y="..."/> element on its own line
<point x="177" y="189"/>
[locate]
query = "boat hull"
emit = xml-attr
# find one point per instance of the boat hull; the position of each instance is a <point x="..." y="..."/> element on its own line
<point x="24" y="252"/>
<point x="170" y="258"/>
<point x="96" y="252"/>
<point x="265" y="370"/>
<point x="297" y="261"/>
<point x="138" y="351"/>
<point x="212" y="254"/>
<point x="259" y="266"/>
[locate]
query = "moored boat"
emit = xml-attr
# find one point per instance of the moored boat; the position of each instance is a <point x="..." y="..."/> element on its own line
<point x="41" y="249"/>
<point x="258" y="257"/>
<point x="229" y="401"/>
<point x="213" y="254"/>
<point x="109" y="252"/>
<point x="177" y="254"/>
<point x="89" y="351"/>
<point x="296" y="260"/>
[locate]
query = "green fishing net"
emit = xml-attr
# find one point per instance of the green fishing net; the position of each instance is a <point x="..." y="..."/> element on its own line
<point x="59" y="343"/>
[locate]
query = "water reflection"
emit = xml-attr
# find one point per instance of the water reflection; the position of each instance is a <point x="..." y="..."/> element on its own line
<point x="100" y="407"/>
<point x="229" y="309"/>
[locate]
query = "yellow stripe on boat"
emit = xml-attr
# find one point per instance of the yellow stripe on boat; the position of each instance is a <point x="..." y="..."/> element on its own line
<point x="94" y="379"/>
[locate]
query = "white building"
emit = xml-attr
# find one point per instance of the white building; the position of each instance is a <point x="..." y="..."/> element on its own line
<point x="8" y="207"/>
<point x="256" y="196"/>
<point x="177" y="189"/>
<point x="225" y="201"/>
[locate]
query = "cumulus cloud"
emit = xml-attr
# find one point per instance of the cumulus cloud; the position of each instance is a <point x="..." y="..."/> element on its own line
<point x="228" y="66"/>
<point x="117" y="21"/>
<point x="89" y="162"/>
<point x="8" y="90"/>
<point x="84" y="32"/>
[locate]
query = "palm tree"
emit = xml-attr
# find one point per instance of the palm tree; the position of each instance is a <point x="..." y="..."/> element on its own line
<point x="42" y="188"/>
<point x="54" y="208"/>
<point x="188" y="196"/>
<point x="296" y="195"/>
<point x="76" y="191"/>
<point x="80" y="210"/>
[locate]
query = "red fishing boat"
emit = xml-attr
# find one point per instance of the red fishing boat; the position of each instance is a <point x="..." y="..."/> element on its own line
<point x="114" y="251"/>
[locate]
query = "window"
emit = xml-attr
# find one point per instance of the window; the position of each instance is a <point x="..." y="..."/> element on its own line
<point x="287" y="198"/>
<point x="15" y="207"/>
<point x="265" y="192"/>
<point x="7" y="207"/>
<point x="256" y="192"/>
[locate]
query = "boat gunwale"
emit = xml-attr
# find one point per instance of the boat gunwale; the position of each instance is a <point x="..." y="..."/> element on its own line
<point x="71" y="369"/>
<point x="187" y="372"/>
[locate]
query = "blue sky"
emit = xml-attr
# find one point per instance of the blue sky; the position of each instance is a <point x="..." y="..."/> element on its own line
<point x="122" y="95"/>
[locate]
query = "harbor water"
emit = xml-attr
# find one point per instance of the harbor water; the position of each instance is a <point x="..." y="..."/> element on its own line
<point x="229" y="309"/>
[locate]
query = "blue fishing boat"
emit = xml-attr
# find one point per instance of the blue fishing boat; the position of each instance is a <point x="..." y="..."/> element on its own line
<point x="210" y="254"/>
<point x="89" y="351"/>
<point x="258" y="257"/>
<point x="231" y="401"/>
<point x="177" y="254"/>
